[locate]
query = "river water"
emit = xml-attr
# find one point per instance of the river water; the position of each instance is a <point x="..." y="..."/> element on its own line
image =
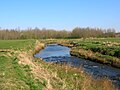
<point x="61" y="54"/>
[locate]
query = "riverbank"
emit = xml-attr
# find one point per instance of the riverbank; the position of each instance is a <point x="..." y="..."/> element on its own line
<point x="58" y="41"/>
<point x="15" y="71"/>
<point x="23" y="71"/>
<point x="96" y="57"/>
<point x="102" y="50"/>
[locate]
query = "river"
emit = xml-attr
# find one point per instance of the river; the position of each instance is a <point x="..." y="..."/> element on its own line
<point x="61" y="54"/>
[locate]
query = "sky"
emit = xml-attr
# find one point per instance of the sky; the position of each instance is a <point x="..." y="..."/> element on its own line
<point x="60" y="14"/>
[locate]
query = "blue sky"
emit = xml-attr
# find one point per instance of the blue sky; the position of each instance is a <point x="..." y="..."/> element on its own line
<point x="60" y="14"/>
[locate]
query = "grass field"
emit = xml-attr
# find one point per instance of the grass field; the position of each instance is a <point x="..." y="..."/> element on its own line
<point x="15" y="44"/>
<point x="19" y="70"/>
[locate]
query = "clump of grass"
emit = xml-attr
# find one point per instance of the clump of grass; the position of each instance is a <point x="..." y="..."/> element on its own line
<point x="38" y="46"/>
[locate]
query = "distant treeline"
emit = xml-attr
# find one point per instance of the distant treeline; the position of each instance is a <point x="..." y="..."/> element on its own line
<point x="37" y="33"/>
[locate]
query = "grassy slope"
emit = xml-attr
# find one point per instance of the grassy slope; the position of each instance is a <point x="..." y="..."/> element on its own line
<point x="12" y="75"/>
<point x="104" y="50"/>
<point x="67" y="78"/>
<point x="16" y="76"/>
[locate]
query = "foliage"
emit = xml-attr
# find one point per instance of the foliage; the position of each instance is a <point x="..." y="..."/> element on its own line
<point x="37" y="33"/>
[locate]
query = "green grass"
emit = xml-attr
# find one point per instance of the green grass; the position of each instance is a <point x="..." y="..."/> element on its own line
<point x="14" y="76"/>
<point x="9" y="78"/>
<point x="106" y="39"/>
<point x="105" y="46"/>
<point x="15" y="44"/>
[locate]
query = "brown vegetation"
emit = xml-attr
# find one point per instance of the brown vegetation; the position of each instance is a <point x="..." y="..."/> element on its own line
<point x="6" y="50"/>
<point x="38" y="46"/>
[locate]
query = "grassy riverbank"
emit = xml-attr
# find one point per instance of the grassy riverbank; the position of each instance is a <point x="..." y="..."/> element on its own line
<point x="13" y="74"/>
<point x="103" y="50"/>
<point x="20" y="70"/>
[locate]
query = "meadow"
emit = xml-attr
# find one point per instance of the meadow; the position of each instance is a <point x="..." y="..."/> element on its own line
<point x="15" y="44"/>
<point x="20" y="70"/>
